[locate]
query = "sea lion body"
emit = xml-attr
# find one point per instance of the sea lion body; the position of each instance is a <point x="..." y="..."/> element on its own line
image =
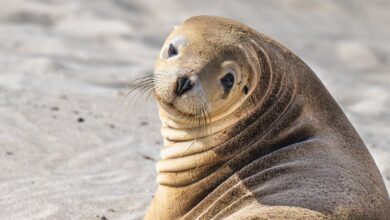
<point x="280" y="147"/>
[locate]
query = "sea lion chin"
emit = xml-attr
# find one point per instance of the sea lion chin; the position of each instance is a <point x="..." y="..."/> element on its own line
<point x="250" y="132"/>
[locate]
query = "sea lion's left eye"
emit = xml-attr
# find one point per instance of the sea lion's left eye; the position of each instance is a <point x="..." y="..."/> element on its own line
<point x="172" y="51"/>
<point x="227" y="81"/>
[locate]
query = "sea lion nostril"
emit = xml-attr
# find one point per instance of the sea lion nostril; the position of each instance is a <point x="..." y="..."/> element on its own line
<point x="183" y="85"/>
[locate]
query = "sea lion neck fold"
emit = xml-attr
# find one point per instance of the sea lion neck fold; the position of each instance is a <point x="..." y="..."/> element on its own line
<point x="273" y="143"/>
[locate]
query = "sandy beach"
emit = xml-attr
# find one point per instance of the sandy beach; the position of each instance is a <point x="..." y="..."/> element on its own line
<point x="71" y="146"/>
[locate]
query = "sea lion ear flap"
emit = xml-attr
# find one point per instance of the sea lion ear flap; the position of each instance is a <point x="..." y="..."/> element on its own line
<point x="245" y="89"/>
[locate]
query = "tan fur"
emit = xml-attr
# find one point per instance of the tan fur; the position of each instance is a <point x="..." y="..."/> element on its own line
<point x="284" y="150"/>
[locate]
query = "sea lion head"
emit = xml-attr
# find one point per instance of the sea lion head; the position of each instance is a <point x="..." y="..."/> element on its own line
<point x="204" y="69"/>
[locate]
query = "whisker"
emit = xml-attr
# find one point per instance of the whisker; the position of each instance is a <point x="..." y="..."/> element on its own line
<point x="141" y="87"/>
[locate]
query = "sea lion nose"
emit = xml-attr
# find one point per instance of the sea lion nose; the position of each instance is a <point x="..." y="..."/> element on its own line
<point x="183" y="84"/>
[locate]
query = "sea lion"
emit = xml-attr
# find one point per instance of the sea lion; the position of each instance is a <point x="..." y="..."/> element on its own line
<point x="250" y="132"/>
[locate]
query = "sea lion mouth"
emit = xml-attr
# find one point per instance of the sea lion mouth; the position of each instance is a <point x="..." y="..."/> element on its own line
<point x="172" y="110"/>
<point x="176" y="118"/>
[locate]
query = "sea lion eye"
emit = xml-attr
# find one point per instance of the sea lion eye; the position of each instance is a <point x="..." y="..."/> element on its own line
<point x="227" y="81"/>
<point x="172" y="51"/>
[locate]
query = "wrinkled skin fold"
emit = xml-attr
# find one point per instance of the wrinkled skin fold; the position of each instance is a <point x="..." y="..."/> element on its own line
<point x="274" y="146"/>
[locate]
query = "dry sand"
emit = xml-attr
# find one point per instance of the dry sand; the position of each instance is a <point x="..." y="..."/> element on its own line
<point x="70" y="148"/>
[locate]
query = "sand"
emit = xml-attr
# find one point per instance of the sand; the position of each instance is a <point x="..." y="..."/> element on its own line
<point x="72" y="148"/>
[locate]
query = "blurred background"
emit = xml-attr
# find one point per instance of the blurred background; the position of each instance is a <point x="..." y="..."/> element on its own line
<point x="71" y="148"/>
